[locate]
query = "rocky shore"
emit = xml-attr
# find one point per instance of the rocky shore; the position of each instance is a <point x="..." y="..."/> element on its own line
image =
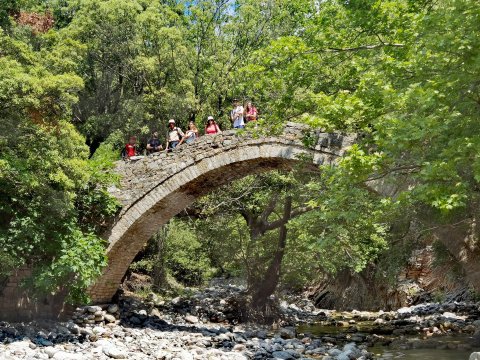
<point x="205" y="325"/>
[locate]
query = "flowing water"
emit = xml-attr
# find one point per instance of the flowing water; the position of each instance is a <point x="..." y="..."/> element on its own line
<point x="382" y="352"/>
<point x="448" y="347"/>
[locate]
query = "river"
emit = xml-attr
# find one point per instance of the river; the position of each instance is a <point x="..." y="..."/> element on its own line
<point x="445" y="347"/>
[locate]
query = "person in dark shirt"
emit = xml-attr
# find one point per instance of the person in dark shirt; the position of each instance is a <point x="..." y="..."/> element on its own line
<point x="154" y="144"/>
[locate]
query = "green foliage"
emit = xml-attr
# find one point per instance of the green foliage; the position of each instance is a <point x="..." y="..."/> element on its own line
<point x="224" y="240"/>
<point x="53" y="201"/>
<point x="398" y="70"/>
<point x="6" y="8"/>
<point x="401" y="74"/>
<point x="144" y="265"/>
<point x="80" y="260"/>
<point x="185" y="256"/>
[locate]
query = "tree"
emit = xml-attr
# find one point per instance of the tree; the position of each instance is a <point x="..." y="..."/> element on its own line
<point x="277" y="219"/>
<point x="48" y="187"/>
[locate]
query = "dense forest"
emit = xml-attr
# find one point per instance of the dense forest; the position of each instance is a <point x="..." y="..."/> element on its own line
<point x="78" y="77"/>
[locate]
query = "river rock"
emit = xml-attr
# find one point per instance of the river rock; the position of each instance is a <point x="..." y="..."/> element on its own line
<point x="239" y="347"/>
<point x="112" y="351"/>
<point x="261" y="334"/>
<point x="45" y="342"/>
<point x="50" y="351"/>
<point x="334" y="352"/>
<point x="73" y="328"/>
<point x="191" y="319"/>
<point x="93" y="309"/>
<point x="86" y="331"/>
<point x="98" y="330"/>
<point x="109" y="318"/>
<point x="112" y="308"/>
<point x="283" y="355"/>
<point x="287" y="332"/>
<point x="182" y="338"/>
<point x="469" y="329"/>
<point x="155" y="313"/>
<point x="135" y="320"/>
<point x="404" y="310"/>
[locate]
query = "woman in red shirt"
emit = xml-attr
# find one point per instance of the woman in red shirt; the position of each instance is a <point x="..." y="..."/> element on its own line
<point x="212" y="127"/>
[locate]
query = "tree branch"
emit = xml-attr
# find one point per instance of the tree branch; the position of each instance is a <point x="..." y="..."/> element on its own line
<point x="270" y="207"/>
<point x="392" y="170"/>
<point x="358" y="48"/>
<point x="282" y="221"/>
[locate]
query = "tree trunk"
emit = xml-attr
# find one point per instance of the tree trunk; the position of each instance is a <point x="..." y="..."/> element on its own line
<point x="266" y="286"/>
<point x="159" y="270"/>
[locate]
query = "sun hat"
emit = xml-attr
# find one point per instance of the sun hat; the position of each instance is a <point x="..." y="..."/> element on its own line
<point x="171" y="121"/>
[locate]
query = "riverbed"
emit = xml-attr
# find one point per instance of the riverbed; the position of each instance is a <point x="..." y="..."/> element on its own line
<point x="205" y="324"/>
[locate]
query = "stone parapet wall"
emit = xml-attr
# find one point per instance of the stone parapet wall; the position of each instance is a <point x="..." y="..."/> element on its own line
<point x="141" y="176"/>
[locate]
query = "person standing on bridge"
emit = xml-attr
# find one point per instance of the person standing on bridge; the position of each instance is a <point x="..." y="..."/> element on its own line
<point x="175" y="134"/>
<point x="236" y="115"/>
<point x="212" y="127"/>
<point x="250" y="112"/>
<point x="154" y="144"/>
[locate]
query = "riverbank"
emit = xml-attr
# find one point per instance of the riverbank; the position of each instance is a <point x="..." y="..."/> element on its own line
<point x="204" y="324"/>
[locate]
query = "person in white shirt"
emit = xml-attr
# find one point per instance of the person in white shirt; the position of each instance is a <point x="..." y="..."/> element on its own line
<point x="236" y="115"/>
<point x="175" y="134"/>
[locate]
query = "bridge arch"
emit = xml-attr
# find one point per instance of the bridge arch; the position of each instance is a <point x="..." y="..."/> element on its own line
<point x="156" y="188"/>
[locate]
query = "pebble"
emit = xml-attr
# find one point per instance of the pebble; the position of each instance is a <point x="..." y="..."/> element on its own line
<point x="112" y="308"/>
<point x="112" y="350"/>
<point x="109" y="318"/>
<point x="50" y="351"/>
<point x="45" y="342"/>
<point x="191" y="319"/>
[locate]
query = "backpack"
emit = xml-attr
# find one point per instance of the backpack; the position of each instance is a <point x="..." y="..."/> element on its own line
<point x="179" y="135"/>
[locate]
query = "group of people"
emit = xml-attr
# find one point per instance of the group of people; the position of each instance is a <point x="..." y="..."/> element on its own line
<point x="242" y="114"/>
<point x="239" y="116"/>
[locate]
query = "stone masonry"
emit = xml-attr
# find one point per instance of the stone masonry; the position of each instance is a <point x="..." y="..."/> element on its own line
<point x="16" y="304"/>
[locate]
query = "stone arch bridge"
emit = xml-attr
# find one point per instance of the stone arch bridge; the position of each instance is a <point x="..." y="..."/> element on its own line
<point x="155" y="188"/>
